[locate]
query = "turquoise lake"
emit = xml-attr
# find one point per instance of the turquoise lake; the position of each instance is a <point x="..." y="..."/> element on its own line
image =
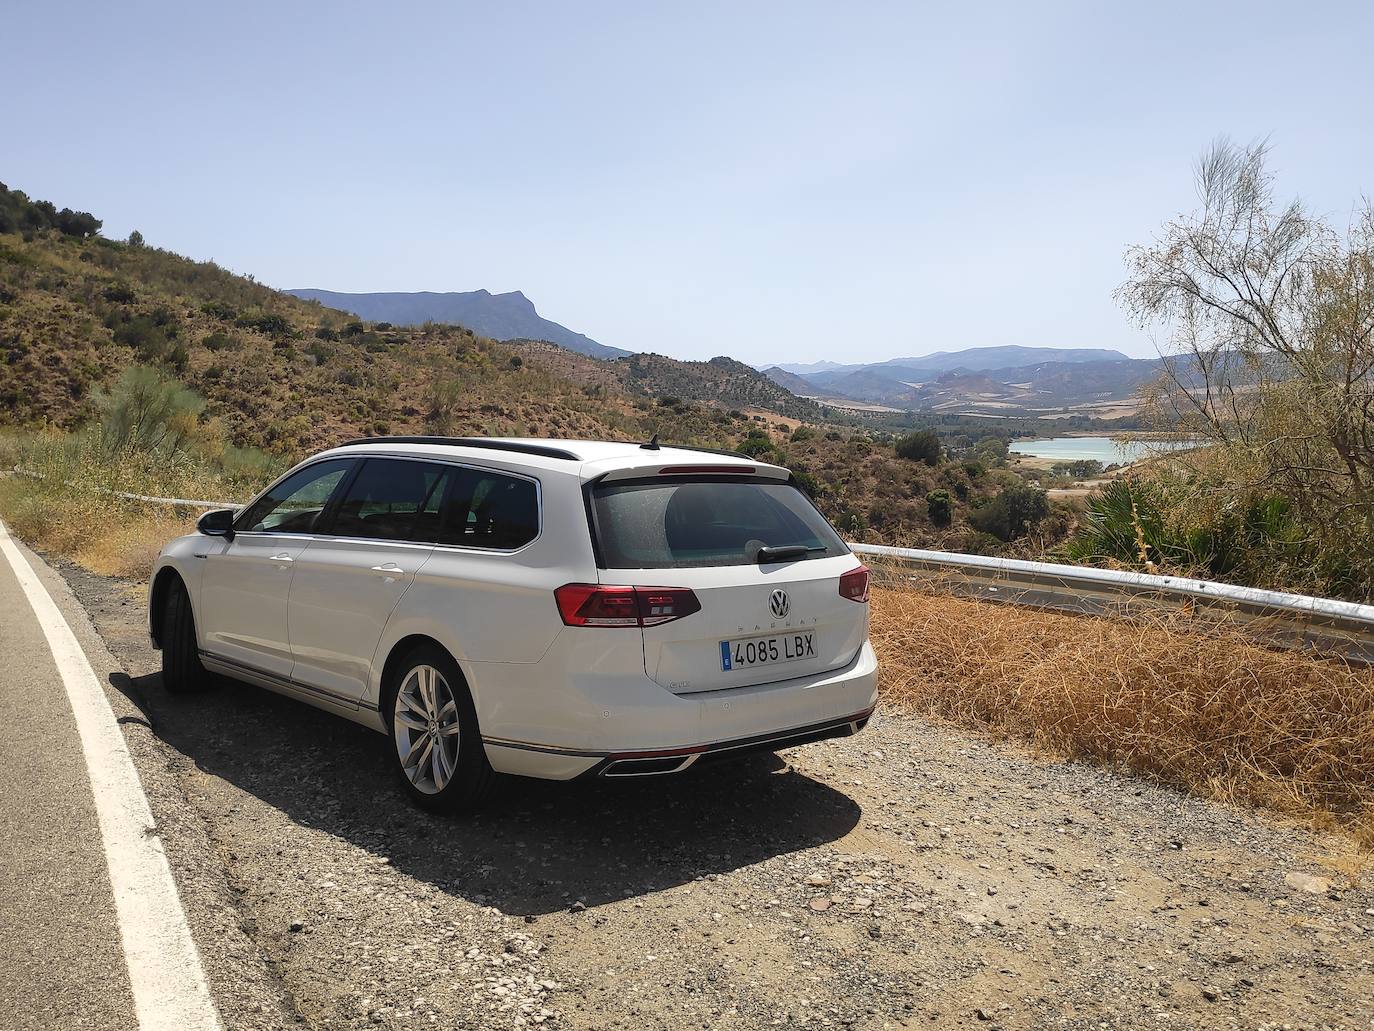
<point x="1106" y="450"/>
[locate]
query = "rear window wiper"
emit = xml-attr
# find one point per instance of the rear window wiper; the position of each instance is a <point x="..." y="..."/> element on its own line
<point x="783" y="553"/>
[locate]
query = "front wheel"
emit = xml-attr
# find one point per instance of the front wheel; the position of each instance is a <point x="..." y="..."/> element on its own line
<point x="182" y="671"/>
<point x="435" y="743"/>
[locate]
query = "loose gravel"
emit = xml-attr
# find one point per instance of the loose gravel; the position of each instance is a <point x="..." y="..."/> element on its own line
<point x="914" y="876"/>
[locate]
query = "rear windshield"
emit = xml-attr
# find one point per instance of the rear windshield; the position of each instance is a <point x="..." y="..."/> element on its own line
<point x="661" y="524"/>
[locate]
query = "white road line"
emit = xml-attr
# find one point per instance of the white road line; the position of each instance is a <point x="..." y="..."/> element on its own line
<point x="164" y="968"/>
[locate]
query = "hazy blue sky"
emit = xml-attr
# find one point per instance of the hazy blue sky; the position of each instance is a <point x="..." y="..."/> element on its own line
<point x="781" y="182"/>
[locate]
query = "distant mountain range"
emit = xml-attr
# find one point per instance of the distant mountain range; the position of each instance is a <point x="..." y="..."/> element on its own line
<point x="509" y="316"/>
<point x="987" y="381"/>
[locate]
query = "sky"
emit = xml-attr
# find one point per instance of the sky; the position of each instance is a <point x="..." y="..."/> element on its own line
<point x="777" y="182"/>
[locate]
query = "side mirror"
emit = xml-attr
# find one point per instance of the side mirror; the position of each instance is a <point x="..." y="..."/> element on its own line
<point x="219" y="523"/>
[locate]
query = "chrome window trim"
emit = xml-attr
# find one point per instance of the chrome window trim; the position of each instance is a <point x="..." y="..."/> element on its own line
<point x="463" y="548"/>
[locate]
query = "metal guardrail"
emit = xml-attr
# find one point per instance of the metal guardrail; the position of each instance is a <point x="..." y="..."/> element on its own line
<point x="1298" y="621"/>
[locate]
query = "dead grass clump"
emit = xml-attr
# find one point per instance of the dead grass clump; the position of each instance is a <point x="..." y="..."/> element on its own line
<point x="103" y="534"/>
<point x="1191" y="704"/>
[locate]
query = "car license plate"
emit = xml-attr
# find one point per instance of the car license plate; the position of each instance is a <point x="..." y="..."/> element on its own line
<point x="764" y="651"/>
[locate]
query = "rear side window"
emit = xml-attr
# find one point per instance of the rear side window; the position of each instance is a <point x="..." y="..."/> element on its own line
<point x="295" y="504"/>
<point x="490" y="510"/>
<point x="661" y="524"/>
<point x="393" y="500"/>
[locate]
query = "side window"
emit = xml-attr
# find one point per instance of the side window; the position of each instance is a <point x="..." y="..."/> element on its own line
<point x="393" y="500"/>
<point x="295" y="504"/>
<point x="490" y="510"/>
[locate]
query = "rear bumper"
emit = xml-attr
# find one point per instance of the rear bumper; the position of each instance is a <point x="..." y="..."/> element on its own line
<point x="617" y="726"/>
<point x="676" y="760"/>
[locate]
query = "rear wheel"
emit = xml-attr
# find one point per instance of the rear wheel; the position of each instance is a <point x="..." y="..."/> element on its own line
<point x="181" y="667"/>
<point x="434" y="742"/>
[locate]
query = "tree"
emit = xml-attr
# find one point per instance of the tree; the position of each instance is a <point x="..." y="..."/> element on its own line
<point x="920" y="446"/>
<point x="1078" y="468"/>
<point x="135" y="239"/>
<point x="80" y="224"/>
<point x="1013" y="513"/>
<point x="940" y="507"/>
<point x="992" y="451"/>
<point x="1269" y="358"/>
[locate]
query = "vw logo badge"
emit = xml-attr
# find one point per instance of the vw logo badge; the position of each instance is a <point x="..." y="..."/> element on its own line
<point x="778" y="604"/>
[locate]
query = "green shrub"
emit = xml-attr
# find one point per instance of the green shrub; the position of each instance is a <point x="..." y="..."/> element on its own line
<point x="940" y="507"/>
<point x="810" y="486"/>
<point x="264" y="322"/>
<point x="920" y="446"/>
<point x="1013" y="513"/>
<point x="756" y="444"/>
<point x="218" y="341"/>
<point x="219" y="310"/>
<point x="146" y="410"/>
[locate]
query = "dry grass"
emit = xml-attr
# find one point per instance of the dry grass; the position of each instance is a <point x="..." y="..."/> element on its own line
<point x="107" y="537"/>
<point x="1170" y="697"/>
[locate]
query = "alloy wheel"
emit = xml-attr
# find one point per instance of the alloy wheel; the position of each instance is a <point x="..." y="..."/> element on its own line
<point x="426" y="730"/>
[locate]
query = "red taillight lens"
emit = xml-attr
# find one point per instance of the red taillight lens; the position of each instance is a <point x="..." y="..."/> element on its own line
<point x="854" y="584"/>
<point x="599" y="605"/>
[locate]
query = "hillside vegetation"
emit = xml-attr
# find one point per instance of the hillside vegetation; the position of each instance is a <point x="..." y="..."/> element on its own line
<point x="272" y="372"/>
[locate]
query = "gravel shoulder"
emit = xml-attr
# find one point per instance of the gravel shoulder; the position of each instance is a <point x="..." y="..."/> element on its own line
<point x="915" y="876"/>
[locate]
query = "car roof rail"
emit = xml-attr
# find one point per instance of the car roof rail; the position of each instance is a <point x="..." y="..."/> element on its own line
<point x="518" y="446"/>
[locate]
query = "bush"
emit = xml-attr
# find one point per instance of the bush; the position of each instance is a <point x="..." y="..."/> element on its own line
<point x="146" y="410"/>
<point x="272" y="325"/>
<point x="940" y="507"/>
<point x="809" y="485"/>
<point x="920" y="446"/>
<point x="218" y="341"/>
<point x="325" y="333"/>
<point x="1012" y="513"/>
<point x="119" y="293"/>
<point x="219" y="310"/>
<point x="154" y="343"/>
<point x="757" y="444"/>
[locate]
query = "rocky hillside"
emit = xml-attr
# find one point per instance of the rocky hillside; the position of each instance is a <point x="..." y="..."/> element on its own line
<point x="290" y="376"/>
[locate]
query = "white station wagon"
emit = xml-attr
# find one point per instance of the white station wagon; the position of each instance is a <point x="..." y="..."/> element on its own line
<point x="547" y="608"/>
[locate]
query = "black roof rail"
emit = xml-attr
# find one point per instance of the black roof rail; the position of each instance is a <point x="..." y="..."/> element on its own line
<point x="542" y="450"/>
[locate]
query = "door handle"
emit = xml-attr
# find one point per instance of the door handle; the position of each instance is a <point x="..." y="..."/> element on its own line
<point x="388" y="567"/>
<point x="283" y="557"/>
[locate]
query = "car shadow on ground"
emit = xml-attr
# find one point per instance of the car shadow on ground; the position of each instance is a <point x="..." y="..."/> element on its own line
<point x="539" y="846"/>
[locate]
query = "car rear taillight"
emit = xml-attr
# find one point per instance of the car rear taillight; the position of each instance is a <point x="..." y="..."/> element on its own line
<point x="854" y="584"/>
<point x="600" y="605"/>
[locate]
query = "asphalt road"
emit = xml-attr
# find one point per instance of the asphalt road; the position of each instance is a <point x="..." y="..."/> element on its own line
<point x="63" y="965"/>
<point x="913" y="877"/>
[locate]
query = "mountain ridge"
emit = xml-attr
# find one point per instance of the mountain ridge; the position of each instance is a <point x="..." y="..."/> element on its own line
<point x="503" y="316"/>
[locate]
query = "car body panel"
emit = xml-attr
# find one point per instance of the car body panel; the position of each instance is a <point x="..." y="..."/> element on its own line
<point x="552" y="700"/>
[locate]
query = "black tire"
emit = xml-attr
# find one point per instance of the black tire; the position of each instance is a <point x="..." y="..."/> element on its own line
<point x="471" y="779"/>
<point x="182" y="671"/>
